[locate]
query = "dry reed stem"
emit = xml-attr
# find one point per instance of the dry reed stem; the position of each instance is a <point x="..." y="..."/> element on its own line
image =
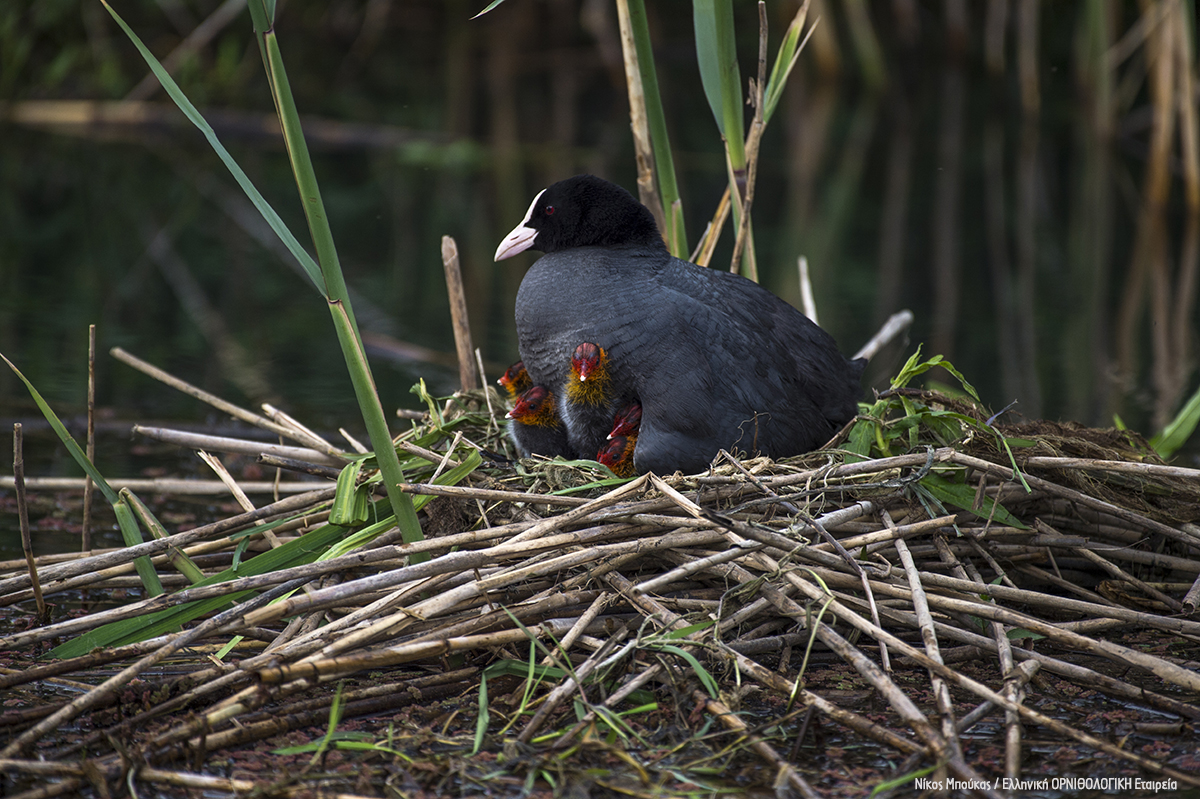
<point x="753" y="141"/>
<point x="419" y="690"/>
<point x="1048" y="487"/>
<point x="891" y="329"/>
<point x="271" y="726"/>
<point x="23" y="518"/>
<point x="1116" y="571"/>
<point x="1129" y="467"/>
<point x="574" y="682"/>
<point x="1185" y="678"/>
<point x="203" y="782"/>
<point x="925" y="621"/>
<point x="300" y="432"/>
<point x="85" y="534"/>
<point x="1017" y="678"/>
<point x="941" y="750"/>
<point x="784" y="773"/>
<point x="1001" y="592"/>
<point x="239" y="495"/>
<point x="492" y="495"/>
<point x="157" y="486"/>
<point x="127" y="554"/>
<point x="860" y="724"/>
<point x="1079" y="674"/>
<point x="42" y="767"/>
<point x="1013" y="682"/>
<point x="1191" y="600"/>
<point x="534" y="574"/>
<point x="14" y="677"/>
<point x="235" y="411"/>
<point x="581" y="624"/>
<point x="616" y="698"/>
<point x="844" y="613"/>
<point x="693" y="566"/>
<point x="808" y="302"/>
<point x="109" y="686"/>
<point x="164" y="601"/>
<point x="639" y="123"/>
<point x="467" y="376"/>
<point x="899" y="701"/>
<point x="237" y="445"/>
<point x="250" y="699"/>
<point x="330" y="668"/>
<point x="357" y="627"/>
<point x="1012" y="690"/>
<point x="583" y="511"/>
<point x="712" y="233"/>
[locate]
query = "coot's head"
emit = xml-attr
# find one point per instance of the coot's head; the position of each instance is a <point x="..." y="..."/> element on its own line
<point x="588" y="380"/>
<point x="589" y="360"/>
<point x="515" y="380"/>
<point x="617" y="455"/>
<point x="627" y="420"/>
<point x="535" y="408"/>
<point x="583" y="211"/>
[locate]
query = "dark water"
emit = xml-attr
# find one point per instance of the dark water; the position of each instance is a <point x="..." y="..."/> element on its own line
<point x="1007" y="224"/>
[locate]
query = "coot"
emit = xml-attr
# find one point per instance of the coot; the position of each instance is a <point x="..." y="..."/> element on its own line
<point x="627" y="420"/>
<point x="586" y="403"/>
<point x="716" y="360"/>
<point x="618" y="455"/>
<point x="534" y="425"/>
<point x="515" y="381"/>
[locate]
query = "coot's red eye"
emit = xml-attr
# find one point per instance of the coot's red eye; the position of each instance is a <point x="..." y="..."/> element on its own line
<point x="549" y="210"/>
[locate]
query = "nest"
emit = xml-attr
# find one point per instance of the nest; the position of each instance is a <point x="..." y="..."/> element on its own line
<point x="753" y="626"/>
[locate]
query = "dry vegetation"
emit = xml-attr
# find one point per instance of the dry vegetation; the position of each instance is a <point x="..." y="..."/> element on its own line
<point x="814" y="626"/>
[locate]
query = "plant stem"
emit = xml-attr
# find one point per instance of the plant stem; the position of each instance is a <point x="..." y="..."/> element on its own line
<point x="331" y="273"/>
<point x="664" y="163"/>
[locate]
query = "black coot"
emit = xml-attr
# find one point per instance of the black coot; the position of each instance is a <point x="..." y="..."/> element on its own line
<point x="627" y="420"/>
<point x="619" y="454"/>
<point x="619" y="447"/>
<point x="515" y="381"/>
<point x="535" y="427"/>
<point x="586" y="403"/>
<point x="715" y="360"/>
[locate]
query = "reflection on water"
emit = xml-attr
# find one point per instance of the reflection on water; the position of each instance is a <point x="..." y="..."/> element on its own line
<point x="1023" y="194"/>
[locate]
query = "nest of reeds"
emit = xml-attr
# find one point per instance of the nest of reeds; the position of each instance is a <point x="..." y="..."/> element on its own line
<point x="976" y="603"/>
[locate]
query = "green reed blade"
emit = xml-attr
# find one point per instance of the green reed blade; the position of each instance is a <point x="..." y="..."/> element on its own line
<point x="189" y="110"/>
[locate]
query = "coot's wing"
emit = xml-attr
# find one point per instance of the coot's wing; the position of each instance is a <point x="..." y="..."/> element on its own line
<point x="812" y="365"/>
<point x="713" y="379"/>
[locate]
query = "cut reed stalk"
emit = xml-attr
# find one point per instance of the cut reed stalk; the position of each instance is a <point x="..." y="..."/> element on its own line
<point x="85" y="534"/>
<point x="236" y="445"/>
<point x="23" y="518"/>
<point x="467" y="376"/>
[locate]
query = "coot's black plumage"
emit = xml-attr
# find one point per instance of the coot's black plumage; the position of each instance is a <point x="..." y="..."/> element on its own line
<point x="716" y="360"/>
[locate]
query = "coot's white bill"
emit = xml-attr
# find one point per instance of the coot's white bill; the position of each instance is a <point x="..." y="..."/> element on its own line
<point x="522" y="236"/>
